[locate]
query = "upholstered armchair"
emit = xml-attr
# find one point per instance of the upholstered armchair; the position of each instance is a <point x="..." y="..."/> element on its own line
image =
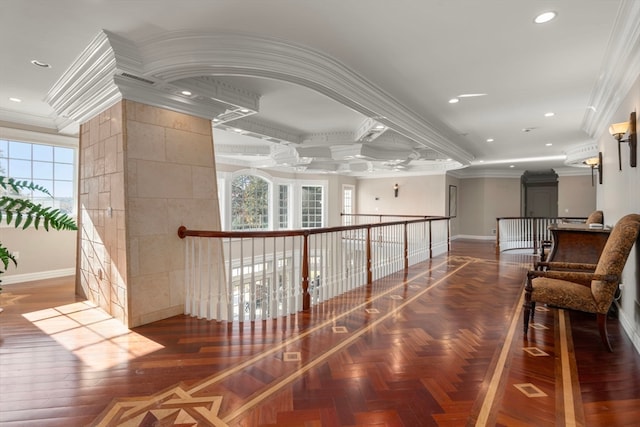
<point x="595" y="217"/>
<point x="583" y="288"/>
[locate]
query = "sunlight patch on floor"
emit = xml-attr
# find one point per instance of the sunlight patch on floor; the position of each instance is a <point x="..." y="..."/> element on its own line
<point x="86" y="331"/>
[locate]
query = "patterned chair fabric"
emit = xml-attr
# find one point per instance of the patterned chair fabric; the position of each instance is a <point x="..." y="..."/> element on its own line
<point x="595" y="217"/>
<point x="589" y="291"/>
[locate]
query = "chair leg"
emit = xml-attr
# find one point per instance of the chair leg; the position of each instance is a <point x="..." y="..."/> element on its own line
<point x="529" y="306"/>
<point x="529" y="309"/>
<point x="525" y="318"/>
<point x="602" y="327"/>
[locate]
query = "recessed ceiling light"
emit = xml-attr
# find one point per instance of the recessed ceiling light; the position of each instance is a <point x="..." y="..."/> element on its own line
<point x="380" y="127"/>
<point x="15" y="99"/>
<point x="454" y="101"/>
<point x="512" y="166"/>
<point x="448" y="160"/>
<point x="549" y="114"/>
<point x="545" y="17"/>
<point x="471" y="95"/>
<point x="40" y="64"/>
<point x="490" y="140"/>
<point x="548" y="144"/>
<point x="186" y="93"/>
<point x="244" y="110"/>
<point x="237" y="130"/>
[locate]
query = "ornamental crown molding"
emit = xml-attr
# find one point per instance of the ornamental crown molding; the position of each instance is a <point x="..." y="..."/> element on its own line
<point x="112" y="68"/>
<point x="578" y="154"/>
<point x="619" y="70"/>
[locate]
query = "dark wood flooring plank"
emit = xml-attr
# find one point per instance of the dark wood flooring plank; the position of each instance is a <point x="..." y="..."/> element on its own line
<point x="424" y="359"/>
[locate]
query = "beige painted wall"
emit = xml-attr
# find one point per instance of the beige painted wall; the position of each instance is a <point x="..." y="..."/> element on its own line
<point x="417" y="195"/>
<point x="576" y="195"/>
<point x="41" y="253"/>
<point x="482" y="200"/>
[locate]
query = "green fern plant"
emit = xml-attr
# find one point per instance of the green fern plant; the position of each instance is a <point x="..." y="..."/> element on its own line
<point x="23" y="213"/>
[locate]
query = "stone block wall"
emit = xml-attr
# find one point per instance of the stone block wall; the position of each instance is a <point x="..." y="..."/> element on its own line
<point x="154" y="171"/>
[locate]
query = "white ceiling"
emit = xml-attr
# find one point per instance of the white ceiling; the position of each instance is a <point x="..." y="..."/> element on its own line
<point x="419" y="54"/>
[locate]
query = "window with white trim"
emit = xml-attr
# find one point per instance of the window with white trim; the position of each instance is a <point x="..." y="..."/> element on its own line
<point x="49" y="166"/>
<point x="249" y="203"/>
<point x="312" y="199"/>
<point x="347" y="204"/>
<point x="283" y="206"/>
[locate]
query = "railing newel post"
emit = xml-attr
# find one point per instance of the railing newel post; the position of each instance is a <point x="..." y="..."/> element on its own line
<point x="306" y="296"/>
<point x="368" y="251"/>
<point x="406" y="246"/>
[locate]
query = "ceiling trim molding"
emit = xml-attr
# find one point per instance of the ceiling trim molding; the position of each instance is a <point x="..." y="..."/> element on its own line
<point x="27" y="119"/>
<point x="184" y="54"/>
<point x="89" y="86"/>
<point x="37" y="137"/>
<point x="578" y="154"/>
<point x="619" y="70"/>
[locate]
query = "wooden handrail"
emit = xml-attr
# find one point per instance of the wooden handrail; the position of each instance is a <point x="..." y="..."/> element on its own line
<point x="184" y="232"/>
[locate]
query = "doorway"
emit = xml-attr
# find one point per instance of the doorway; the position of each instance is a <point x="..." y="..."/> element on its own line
<point x="540" y="194"/>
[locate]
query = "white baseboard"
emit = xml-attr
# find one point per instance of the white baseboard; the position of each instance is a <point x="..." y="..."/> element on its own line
<point x="629" y="329"/>
<point x="41" y="275"/>
<point x="468" y="236"/>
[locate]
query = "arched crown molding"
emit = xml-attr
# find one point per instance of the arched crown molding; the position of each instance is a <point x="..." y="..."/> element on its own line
<point x="112" y="68"/>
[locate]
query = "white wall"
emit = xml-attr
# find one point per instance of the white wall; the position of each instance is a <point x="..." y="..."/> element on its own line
<point x="619" y="195"/>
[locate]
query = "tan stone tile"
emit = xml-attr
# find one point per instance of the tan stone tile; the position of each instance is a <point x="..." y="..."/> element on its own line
<point x="145" y="141"/>
<point x="117" y="191"/>
<point x="147" y="217"/>
<point x="153" y="255"/>
<point x="168" y="180"/>
<point x="111" y="155"/>
<point x="146" y="113"/>
<point x="189" y="148"/>
<point x="197" y="214"/>
<point x="149" y="293"/>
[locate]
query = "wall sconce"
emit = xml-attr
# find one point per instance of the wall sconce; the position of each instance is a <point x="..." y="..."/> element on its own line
<point x="593" y="163"/>
<point x="617" y="130"/>
<point x="395" y="190"/>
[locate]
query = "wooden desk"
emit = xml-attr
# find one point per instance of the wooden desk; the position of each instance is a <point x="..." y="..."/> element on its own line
<point x="577" y="243"/>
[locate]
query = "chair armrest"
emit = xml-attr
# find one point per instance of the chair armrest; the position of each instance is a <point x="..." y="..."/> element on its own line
<point x="583" y="278"/>
<point x="564" y="266"/>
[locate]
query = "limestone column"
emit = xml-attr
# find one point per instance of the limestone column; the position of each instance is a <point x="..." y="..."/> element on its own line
<point x="144" y="171"/>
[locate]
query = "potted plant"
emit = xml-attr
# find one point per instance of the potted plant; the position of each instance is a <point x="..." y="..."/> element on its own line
<point x="23" y="213"/>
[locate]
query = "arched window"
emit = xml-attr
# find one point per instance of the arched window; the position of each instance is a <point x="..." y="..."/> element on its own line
<point x="249" y="203"/>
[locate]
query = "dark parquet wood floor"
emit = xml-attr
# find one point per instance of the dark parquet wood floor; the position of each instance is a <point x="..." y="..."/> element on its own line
<point x="442" y="346"/>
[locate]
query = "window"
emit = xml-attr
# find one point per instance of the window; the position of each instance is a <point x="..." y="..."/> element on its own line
<point x="49" y="166"/>
<point x="249" y="203"/>
<point x="283" y="206"/>
<point x="347" y="204"/>
<point x="311" y="206"/>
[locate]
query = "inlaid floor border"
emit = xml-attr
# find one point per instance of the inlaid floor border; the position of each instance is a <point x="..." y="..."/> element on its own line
<point x="110" y="414"/>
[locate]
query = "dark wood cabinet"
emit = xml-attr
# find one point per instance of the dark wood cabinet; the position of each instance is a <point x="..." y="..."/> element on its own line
<point x="577" y="243"/>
